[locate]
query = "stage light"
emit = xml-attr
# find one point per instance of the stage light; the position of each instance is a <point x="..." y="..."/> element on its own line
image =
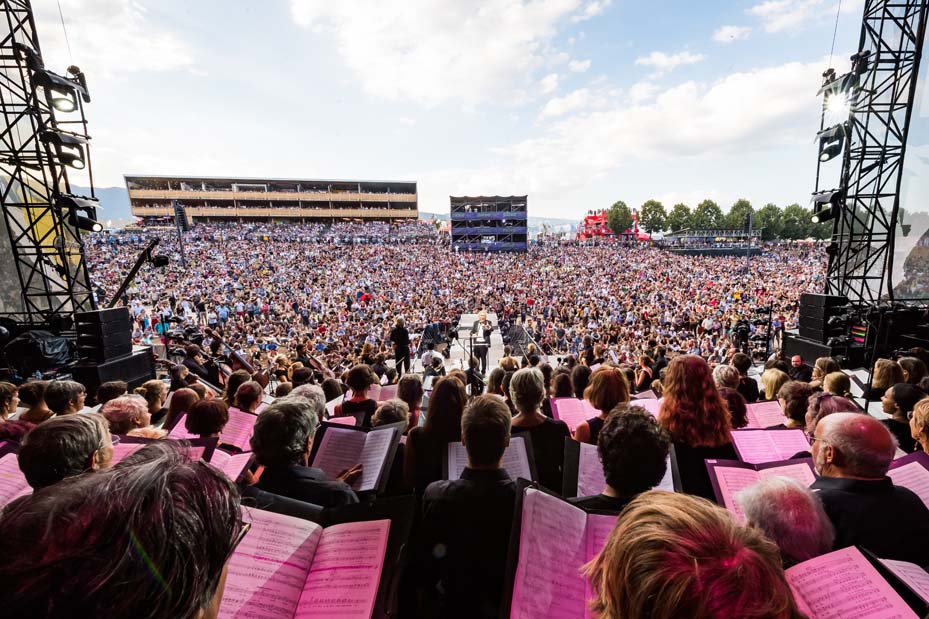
<point x="75" y="205"/>
<point x="61" y="92"/>
<point x="826" y="205"/>
<point x="69" y="147"/>
<point x="831" y="141"/>
<point x="82" y="222"/>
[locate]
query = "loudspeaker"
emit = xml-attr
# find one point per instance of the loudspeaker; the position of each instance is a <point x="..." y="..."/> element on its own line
<point x="820" y="301"/>
<point x="103" y="334"/>
<point x="134" y="368"/>
<point x="815" y="312"/>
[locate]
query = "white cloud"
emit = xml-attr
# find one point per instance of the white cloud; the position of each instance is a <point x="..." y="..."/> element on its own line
<point x="430" y="52"/>
<point x="579" y="66"/>
<point x="668" y="62"/>
<point x="591" y="9"/>
<point x="406" y="120"/>
<point x="571" y="102"/>
<point x="778" y="15"/>
<point x="549" y="83"/>
<point x="642" y="91"/>
<point x="728" y="34"/>
<point x="108" y="37"/>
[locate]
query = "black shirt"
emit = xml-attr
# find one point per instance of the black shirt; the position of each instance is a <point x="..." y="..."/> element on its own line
<point x="901" y="430"/>
<point x="694" y="477"/>
<point x="401" y="339"/>
<point x="368" y="407"/>
<point x="548" y="451"/>
<point x="470" y="520"/>
<point x="601" y="502"/>
<point x="305" y="483"/>
<point x="890" y="521"/>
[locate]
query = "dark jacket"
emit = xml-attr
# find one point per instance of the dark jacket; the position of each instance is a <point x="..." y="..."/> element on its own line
<point x="890" y="521"/>
<point x="601" y="502"/>
<point x="470" y="519"/>
<point x="307" y="484"/>
<point x="548" y="451"/>
<point x="689" y="462"/>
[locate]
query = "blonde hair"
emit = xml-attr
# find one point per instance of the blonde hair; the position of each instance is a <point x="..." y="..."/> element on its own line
<point x="668" y="551"/>
<point x="151" y="390"/>
<point x="772" y="380"/>
<point x="838" y="383"/>
<point x="921" y="421"/>
<point x="887" y="373"/>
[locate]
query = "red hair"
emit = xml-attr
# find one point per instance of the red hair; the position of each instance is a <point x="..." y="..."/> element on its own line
<point x="692" y="411"/>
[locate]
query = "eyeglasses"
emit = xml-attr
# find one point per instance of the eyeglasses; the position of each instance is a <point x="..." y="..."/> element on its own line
<point x="243" y="531"/>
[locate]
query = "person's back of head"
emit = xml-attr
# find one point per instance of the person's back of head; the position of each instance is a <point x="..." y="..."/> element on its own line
<point x="361" y="377"/>
<point x="794" y="397"/>
<point x="248" y="395"/>
<point x="446" y="404"/>
<point x="738" y="408"/>
<point x="726" y="376"/>
<point x="332" y="388"/>
<point x="827" y="365"/>
<point x="154" y="536"/>
<point x="607" y="389"/>
<point x="301" y="376"/>
<point x="315" y="395"/>
<point x="111" y="390"/>
<point x="495" y="380"/>
<point x="853" y="445"/>
<point x="485" y="431"/>
<point x="633" y="449"/>
<point x="283" y="389"/>
<point x="772" y="380"/>
<point x="742" y="363"/>
<point x="822" y="404"/>
<point x="63" y="447"/>
<point x="790" y="515"/>
<point x="283" y="432"/>
<point x="410" y="390"/>
<point x="914" y="369"/>
<point x="838" y="383"/>
<point x="580" y="377"/>
<point x="392" y="411"/>
<point x="62" y="396"/>
<point x="692" y="411"/>
<point x="527" y="390"/>
<point x="673" y="555"/>
<point x="181" y="401"/>
<point x="207" y="417"/>
<point x="126" y="413"/>
<point x="561" y="386"/>
<point x="887" y="373"/>
<point x="15" y="430"/>
<point x="232" y="385"/>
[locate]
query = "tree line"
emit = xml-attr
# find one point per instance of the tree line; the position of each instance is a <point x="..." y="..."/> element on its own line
<point x="791" y="222"/>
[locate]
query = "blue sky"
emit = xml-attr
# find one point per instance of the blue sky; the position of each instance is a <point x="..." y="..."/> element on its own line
<point x="576" y="102"/>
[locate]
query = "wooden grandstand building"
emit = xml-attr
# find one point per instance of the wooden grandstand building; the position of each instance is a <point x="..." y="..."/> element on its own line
<point x="219" y="199"/>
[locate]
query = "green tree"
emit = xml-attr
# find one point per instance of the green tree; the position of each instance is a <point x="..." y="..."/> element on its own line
<point x="708" y="215"/>
<point x="795" y="222"/>
<point x="678" y="218"/>
<point x="619" y="218"/>
<point x="652" y="216"/>
<point x="769" y="217"/>
<point x="736" y="217"/>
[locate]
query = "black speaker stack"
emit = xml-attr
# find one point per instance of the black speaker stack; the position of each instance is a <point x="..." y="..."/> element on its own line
<point x="104" y="346"/>
<point x="823" y="316"/>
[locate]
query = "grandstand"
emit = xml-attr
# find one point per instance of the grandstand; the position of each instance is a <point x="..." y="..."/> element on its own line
<point x="222" y="199"/>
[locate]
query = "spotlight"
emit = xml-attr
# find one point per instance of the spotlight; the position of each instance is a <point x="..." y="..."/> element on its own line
<point x="69" y="146"/>
<point x="826" y="205"/>
<point x="74" y="205"/>
<point x="159" y="260"/>
<point x="831" y="141"/>
<point x="82" y="222"/>
<point x="60" y="92"/>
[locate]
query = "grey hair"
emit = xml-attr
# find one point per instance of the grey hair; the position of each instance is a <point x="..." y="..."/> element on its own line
<point x="790" y="515"/>
<point x="726" y="376"/>
<point x="862" y="455"/>
<point x="313" y="393"/>
<point x="283" y="431"/>
<point x="527" y="389"/>
<point x="124" y="413"/>
<point x="391" y="411"/>
<point x="62" y="447"/>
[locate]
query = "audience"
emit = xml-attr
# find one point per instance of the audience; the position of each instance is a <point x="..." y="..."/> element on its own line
<point x="466" y="522"/>
<point x="790" y="515"/>
<point x="607" y="390"/>
<point x="633" y="450"/>
<point x="281" y="442"/>
<point x="63" y="447"/>
<point x="527" y="390"/>
<point x="852" y="453"/>
<point x="672" y="555"/>
<point x="153" y="540"/>
<point x="697" y="420"/>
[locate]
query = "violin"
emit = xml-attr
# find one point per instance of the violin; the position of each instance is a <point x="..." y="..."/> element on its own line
<point x="262" y="377"/>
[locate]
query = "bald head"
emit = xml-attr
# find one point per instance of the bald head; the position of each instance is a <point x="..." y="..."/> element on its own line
<point x="853" y="445"/>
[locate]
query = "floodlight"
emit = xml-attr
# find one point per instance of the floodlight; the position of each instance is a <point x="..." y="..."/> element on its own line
<point x="75" y="205"/>
<point x="831" y="141"/>
<point x="69" y="146"/>
<point x="826" y="205"/>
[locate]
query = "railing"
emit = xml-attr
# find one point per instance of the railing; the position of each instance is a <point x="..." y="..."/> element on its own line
<point x="284" y="196"/>
<point x="308" y="213"/>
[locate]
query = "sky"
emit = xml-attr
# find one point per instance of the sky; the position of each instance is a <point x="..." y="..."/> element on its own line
<point x="577" y="103"/>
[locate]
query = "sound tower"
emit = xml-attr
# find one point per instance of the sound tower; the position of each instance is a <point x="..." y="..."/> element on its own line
<point x="103" y="334"/>
<point x="815" y="313"/>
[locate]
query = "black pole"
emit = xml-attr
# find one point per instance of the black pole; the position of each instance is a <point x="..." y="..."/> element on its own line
<point x="144" y="257"/>
<point x="178" y="213"/>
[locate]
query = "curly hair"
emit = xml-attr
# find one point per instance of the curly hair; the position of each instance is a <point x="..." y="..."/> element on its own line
<point x="692" y="411"/>
<point x="633" y="449"/>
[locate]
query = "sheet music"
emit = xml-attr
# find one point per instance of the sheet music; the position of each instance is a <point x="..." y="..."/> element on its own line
<point x="331" y="404"/>
<point x="179" y="432"/>
<point x="800" y="472"/>
<point x="599" y="527"/>
<point x="340" y="450"/>
<point x="652" y="406"/>
<point x="646" y="395"/>
<point x="268" y="571"/>
<point x="239" y="429"/>
<point x="388" y="392"/>
<point x="590" y="477"/>
<point x="13" y="483"/>
<point x="764" y="415"/>
<point x="573" y="411"/>
<point x="667" y="482"/>
<point x="914" y="477"/>
<point x="732" y="479"/>
<point x="347" y="420"/>
<point x="346" y="570"/>
<point x="515" y="459"/>
<point x="121" y="451"/>
<point x="232" y="466"/>
<point x="374" y="458"/>
<point x="843" y="585"/>
<point x="761" y="446"/>
<point x="552" y="549"/>
<point x="910" y="574"/>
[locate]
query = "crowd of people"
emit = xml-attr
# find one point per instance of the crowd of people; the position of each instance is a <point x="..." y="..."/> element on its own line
<point x="267" y="288"/>
<point x="157" y="529"/>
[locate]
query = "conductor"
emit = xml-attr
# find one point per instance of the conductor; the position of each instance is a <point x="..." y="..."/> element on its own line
<point x="480" y="334"/>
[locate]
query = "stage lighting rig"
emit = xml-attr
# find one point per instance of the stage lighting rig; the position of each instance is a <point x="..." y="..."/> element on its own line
<point x="826" y="205"/>
<point x="61" y="92"/>
<point x="74" y="206"/>
<point x="69" y="147"/>
<point x="831" y="141"/>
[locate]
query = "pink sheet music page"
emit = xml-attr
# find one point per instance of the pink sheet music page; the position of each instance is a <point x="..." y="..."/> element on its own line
<point x="239" y="430"/>
<point x="765" y="414"/>
<point x="121" y="451"/>
<point x="346" y="571"/>
<point x="573" y="411"/>
<point x="590" y="477"/>
<point x="179" y="431"/>
<point x="912" y="474"/>
<point x="651" y="405"/>
<point x="348" y="420"/>
<point x="552" y="548"/>
<point x="268" y="570"/>
<point x="13" y="483"/>
<point x="761" y="446"/>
